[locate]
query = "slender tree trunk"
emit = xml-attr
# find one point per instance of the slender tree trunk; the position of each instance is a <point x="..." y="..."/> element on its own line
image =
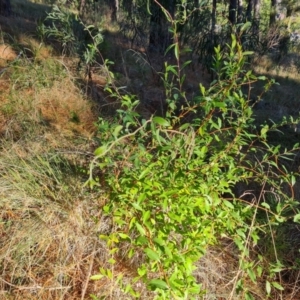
<point x="213" y="20"/>
<point x="240" y="17"/>
<point x="81" y="7"/>
<point x="273" y="12"/>
<point x="114" y="7"/>
<point x="256" y="13"/>
<point x="160" y="38"/>
<point x="292" y="7"/>
<point x="5" y="7"/>
<point x="232" y="11"/>
<point x="256" y="17"/>
<point x="249" y="11"/>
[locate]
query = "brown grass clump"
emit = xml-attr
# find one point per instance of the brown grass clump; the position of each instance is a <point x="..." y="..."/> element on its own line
<point x="49" y="242"/>
<point x="287" y="67"/>
<point x="49" y="224"/>
<point x="66" y="109"/>
<point x="35" y="49"/>
<point x="6" y="54"/>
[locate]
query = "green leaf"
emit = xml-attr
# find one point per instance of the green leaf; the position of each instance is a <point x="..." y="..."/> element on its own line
<point x="159" y="241"/>
<point x="158" y="284"/>
<point x="97" y="277"/>
<point x="161" y="121"/>
<point x="124" y="236"/>
<point x="248" y="53"/>
<point x="109" y="274"/>
<point x="117" y="131"/>
<point x="148" y="7"/>
<point x="265" y="204"/>
<point x="137" y="206"/>
<point x="264" y="131"/>
<point x="176" y="51"/>
<point x="141" y="241"/>
<point x="261" y="77"/>
<point x="202" y="89"/>
<point x="100" y="151"/>
<point x="251" y="274"/>
<point x="248" y="296"/>
<point x="228" y="204"/>
<point x="277" y="286"/>
<point x="131" y="253"/>
<point x="169" y="48"/>
<point x="259" y="270"/>
<point x="277" y="269"/>
<point x="280" y="219"/>
<point x="140" y="229"/>
<point x="152" y="254"/>
<point x="172" y="69"/>
<point x="184" y="126"/>
<point x="297" y="218"/>
<point x="246" y="26"/>
<point x="112" y="261"/>
<point x="146" y="215"/>
<point x="195" y="289"/>
<point x="241" y="233"/>
<point x="185" y="64"/>
<point x="233" y="44"/>
<point x="142" y="271"/>
<point x="268" y="287"/>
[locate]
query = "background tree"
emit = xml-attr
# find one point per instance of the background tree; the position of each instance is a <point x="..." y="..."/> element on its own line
<point x="160" y="37"/>
<point x="240" y="11"/>
<point x="232" y="11"/>
<point x="273" y="11"/>
<point x="5" y="7"/>
<point x="213" y="19"/>
<point x="114" y="7"/>
<point x="249" y="11"/>
<point x="291" y="6"/>
<point x="256" y="17"/>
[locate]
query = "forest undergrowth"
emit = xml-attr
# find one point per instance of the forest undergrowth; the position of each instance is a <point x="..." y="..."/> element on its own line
<point x="125" y="174"/>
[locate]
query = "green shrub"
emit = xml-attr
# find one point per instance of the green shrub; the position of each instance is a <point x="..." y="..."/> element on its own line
<point x="72" y="34"/>
<point x="171" y="183"/>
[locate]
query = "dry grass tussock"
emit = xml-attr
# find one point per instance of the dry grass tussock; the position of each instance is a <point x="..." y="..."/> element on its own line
<point x="48" y="238"/>
<point x="49" y="224"/>
<point x="6" y="54"/>
<point x="66" y="109"/>
<point x="287" y="67"/>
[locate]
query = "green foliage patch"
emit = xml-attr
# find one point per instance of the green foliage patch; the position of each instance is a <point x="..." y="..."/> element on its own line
<point x="171" y="183"/>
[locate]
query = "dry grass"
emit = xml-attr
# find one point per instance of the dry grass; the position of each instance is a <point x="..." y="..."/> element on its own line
<point x="6" y="54"/>
<point x="50" y="223"/>
<point x="65" y="108"/>
<point x="287" y="67"/>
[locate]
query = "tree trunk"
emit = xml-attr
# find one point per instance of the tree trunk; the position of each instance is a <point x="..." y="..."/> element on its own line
<point x="249" y="11"/>
<point x="256" y="17"/>
<point x="81" y="7"/>
<point x="273" y="12"/>
<point x="5" y="7"/>
<point x="114" y="7"/>
<point x="160" y="38"/>
<point x="240" y="17"/>
<point x="232" y="11"/>
<point x="291" y="7"/>
<point x="213" y="20"/>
